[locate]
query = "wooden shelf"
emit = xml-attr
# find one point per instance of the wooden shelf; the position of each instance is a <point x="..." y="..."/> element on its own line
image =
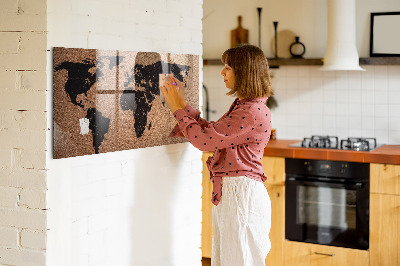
<point x="274" y="63"/>
<point x="380" y="61"/>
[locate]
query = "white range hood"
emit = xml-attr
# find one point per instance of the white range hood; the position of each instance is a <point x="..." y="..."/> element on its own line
<point x="341" y="51"/>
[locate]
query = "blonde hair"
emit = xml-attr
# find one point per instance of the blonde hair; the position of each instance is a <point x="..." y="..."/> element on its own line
<point x="250" y="66"/>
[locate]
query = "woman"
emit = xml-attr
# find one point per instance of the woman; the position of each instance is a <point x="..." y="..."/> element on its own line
<point x="242" y="208"/>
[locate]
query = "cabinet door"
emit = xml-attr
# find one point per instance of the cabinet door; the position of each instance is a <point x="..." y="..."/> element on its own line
<point x="274" y="168"/>
<point x="277" y="233"/>
<point x="384" y="230"/>
<point x="304" y="254"/>
<point x="206" y="232"/>
<point x="385" y="178"/>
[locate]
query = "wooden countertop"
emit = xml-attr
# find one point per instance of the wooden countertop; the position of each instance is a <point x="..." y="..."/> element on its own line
<point x="389" y="154"/>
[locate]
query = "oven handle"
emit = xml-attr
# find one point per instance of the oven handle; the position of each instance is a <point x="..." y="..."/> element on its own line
<point x="357" y="185"/>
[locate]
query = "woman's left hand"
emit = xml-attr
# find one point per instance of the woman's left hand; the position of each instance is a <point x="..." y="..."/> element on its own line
<point x="170" y="90"/>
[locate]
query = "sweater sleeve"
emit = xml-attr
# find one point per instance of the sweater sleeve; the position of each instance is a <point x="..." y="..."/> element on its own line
<point x="193" y="113"/>
<point x="232" y="130"/>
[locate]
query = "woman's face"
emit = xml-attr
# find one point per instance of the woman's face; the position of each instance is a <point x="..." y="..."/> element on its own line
<point x="229" y="76"/>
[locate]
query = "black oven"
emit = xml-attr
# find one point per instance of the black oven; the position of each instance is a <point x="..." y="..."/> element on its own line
<point x="327" y="202"/>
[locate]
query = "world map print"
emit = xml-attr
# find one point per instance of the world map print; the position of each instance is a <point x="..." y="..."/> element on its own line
<point x="105" y="101"/>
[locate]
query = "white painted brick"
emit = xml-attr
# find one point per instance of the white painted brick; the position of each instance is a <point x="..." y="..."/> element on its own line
<point x="9" y="237"/>
<point x="8" y="197"/>
<point x="23" y="100"/>
<point x="153" y="32"/>
<point x="33" y="7"/>
<point x="98" y="222"/>
<point x="196" y="38"/>
<point x="148" y="6"/>
<point x="23" y="178"/>
<point x="97" y="173"/>
<point x="108" y="42"/>
<point x="31" y="53"/>
<point x="79" y="228"/>
<point x="11" y="256"/>
<point x="104" y="10"/>
<point x="168" y="19"/>
<point x="15" y="158"/>
<point x="9" y="42"/>
<point x="191" y="22"/>
<point x="33" y="159"/>
<point x="179" y="34"/>
<point x="23" y="218"/>
<point x="33" y="239"/>
<point x="167" y="46"/>
<point x="179" y="7"/>
<point x="29" y="61"/>
<point x="196" y="10"/>
<point x="33" y="120"/>
<point x="23" y="139"/>
<point x="135" y="17"/>
<point x="23" y="22"/>
<point x="31" y="80"/>
<point x="33" y="42"/>
<point x="114" y="186"/>
<point x="190" y="47"/>
<point x="7" y="80"/>
<point x="5" y="158"/>
<point x="33" y="199"/>
<point x="8" y="6"/>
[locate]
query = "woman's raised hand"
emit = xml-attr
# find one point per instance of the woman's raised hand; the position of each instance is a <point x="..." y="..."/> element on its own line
<point x="174" y="93"/>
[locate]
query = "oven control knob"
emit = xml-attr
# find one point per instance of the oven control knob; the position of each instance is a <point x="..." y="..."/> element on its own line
<point x="308" y="166"/>
<point x="343" y="168"/>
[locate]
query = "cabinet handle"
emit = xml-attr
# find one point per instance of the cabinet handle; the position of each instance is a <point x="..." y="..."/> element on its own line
<point x="324" y="254"/>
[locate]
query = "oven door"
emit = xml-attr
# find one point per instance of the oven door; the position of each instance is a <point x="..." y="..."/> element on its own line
<point x="327" y="213"/>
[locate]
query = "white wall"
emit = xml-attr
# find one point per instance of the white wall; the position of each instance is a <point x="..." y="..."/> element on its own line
<point x="136" y="207"/>
<point x="305" y="18"/>
<point x="311" y="102"/>
<point x="23" y="132"/>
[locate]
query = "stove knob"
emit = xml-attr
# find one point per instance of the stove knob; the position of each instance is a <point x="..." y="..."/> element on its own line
<point x="308" y="166"/>
<point x="343" y="168"/>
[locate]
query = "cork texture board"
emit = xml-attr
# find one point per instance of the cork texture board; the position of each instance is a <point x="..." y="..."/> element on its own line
<point x="109" y="100"/>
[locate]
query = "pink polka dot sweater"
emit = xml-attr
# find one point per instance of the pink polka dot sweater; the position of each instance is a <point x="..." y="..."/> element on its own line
<point x="238" y="139"/>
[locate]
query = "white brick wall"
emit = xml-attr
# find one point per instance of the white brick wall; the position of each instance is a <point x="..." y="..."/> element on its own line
<point x="100" y="207"/>
<point x="23" y="132"/>
<point x="136" y="207"/>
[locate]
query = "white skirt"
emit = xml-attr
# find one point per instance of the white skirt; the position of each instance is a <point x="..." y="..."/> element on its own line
<point x="241" y="223"/>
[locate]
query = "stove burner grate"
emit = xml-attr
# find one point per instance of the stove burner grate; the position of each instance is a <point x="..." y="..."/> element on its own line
<point x="332" y="142"/>
<point x="327" y="142"/>
<point x="358" y="144"/>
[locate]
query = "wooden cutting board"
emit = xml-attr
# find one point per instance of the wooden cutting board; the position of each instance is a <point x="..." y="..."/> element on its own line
<point x="239" y="35"/>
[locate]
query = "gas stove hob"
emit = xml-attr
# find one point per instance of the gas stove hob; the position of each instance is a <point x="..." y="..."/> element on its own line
<point x="332" y="142"/>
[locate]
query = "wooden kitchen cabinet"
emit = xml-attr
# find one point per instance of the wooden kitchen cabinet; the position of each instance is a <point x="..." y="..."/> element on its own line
<point x="277" y="233"/>
<point x="385" y="178"/>
<point x="384" y="237"/>
<point x="274" y="168"/>
<point x="305" y="254"/>
<point x="206" y="225"/>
